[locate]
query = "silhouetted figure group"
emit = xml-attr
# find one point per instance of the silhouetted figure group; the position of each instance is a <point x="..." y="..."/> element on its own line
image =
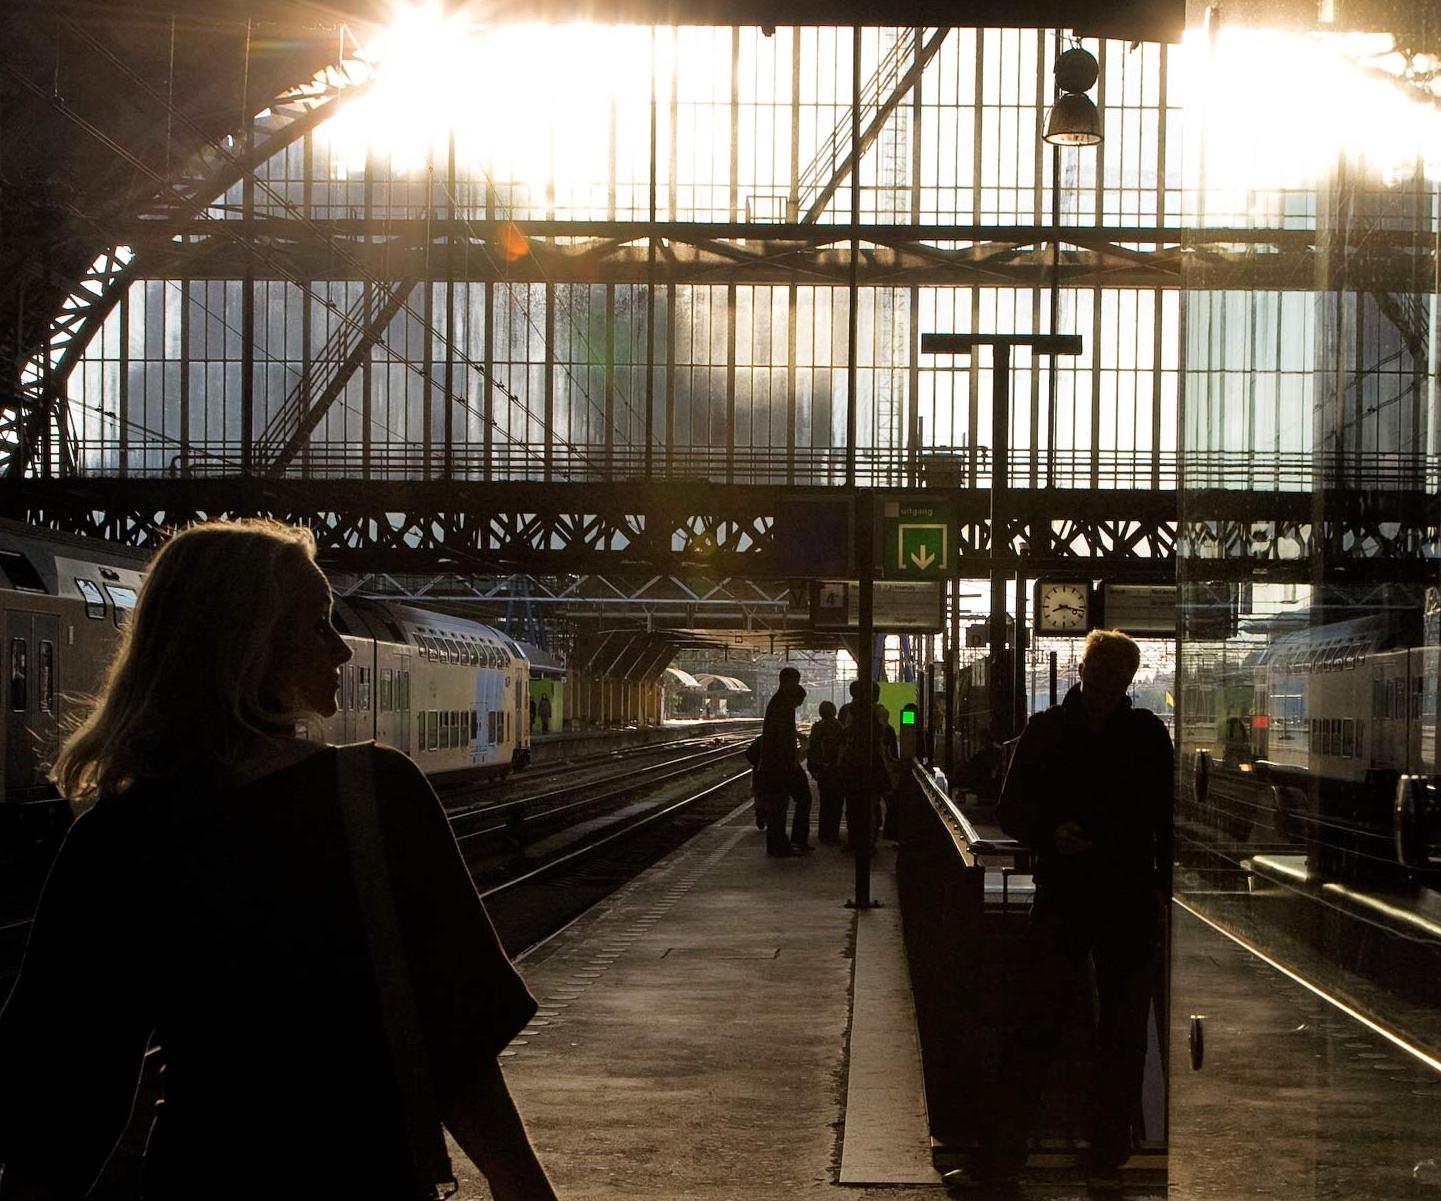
<point x="852" y="773"/>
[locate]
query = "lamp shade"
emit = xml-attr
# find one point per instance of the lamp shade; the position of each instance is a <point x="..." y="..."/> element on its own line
<point x="1073" y="121"/>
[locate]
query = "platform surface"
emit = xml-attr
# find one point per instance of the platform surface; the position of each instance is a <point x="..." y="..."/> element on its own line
<point x="696" y="1032"/>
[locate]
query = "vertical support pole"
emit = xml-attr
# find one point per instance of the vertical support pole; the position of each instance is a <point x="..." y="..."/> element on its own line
<point x="853" y="291"/>
<point x="247" y="283"/>
<point x="487" y="404"/>
<point x="649" y="464"/>
<point x="865" y="670"/>
<point x="1020" y="692"/>
<point x="367" y="373"/>
<point x="185" y="286"/>
<point x="1052" y="665"/>
<point x="449" y="399"/>
<point x="307" y="301"/>
<point x="913" y="390"/>
<point x="791" y="385"/>
<point x="608" y="457"/>
<point x="952" y="660"/>
<point x="793" y="201"/>
<point x="548" y="432"/>
<point x="735" y="135"/>
<point x="730" y="383"/>
<point x="1000" y="487"/>
<point x="122" y="399"/>
<point x="670" y="319"/>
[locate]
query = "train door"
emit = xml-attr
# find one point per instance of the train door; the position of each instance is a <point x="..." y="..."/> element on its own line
<point x="522" y="704"/>
<point x="402" y="701"/>
<point x="32" y="734"/>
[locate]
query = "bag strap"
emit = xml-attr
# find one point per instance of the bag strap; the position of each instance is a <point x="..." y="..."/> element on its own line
<point x="361" y="814"/>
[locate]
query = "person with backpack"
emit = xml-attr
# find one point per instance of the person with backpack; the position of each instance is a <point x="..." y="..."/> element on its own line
<point x="823" y="761"/>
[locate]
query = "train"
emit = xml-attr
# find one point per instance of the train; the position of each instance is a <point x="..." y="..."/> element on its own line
<point x="452" y="693"/>
<point x="1324" y="740"/>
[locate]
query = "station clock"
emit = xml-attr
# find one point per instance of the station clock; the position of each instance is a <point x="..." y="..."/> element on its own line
<point x="1063" y="606"/>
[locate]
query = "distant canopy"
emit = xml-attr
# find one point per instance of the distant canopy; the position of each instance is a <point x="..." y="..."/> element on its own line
<point x="684" y="678"/>
<point x="715" y="683"/>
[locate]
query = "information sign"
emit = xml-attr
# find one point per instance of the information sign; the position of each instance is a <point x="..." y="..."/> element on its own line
<point x="896" y="606"/>
<point x="917" y="539"/>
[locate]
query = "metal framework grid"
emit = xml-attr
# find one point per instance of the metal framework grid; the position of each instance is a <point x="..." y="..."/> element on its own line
<point x="596" y="398"/>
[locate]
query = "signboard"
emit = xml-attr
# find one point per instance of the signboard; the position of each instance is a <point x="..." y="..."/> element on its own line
<point x="1141" y="609"/>
<point x="917" y="538"/>
<point x="897" y="606"/>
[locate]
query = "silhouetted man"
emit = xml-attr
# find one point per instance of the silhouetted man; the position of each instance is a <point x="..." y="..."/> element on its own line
<point x="779" y="771"/>
<point x="1089" y="790"/>
<point x="823" y="759"/>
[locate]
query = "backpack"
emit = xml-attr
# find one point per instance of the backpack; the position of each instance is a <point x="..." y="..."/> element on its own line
<point x="825" y="747"/>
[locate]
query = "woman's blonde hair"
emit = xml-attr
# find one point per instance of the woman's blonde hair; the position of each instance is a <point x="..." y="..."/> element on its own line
<point x="190" y="683"/>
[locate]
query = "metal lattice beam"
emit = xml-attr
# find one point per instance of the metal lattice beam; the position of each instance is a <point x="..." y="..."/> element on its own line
<point x="675" y="528"/>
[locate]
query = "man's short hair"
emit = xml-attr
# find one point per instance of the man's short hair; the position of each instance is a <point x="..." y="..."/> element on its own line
<point x="1115" y="647"/>
<point x="827" y="709"/>
<point x="789" y="675"/>
<point x="855" y="690"/>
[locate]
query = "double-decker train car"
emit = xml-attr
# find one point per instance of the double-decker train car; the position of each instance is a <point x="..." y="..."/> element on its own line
<point x="450" y="692"/>
<point x="1327" y="740"/>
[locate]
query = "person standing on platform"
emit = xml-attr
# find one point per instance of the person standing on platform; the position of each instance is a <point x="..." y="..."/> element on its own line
<point x="779" y="768"/>
<point x="288" y="926"/>
<point x="1089" y="790"/>
<point x="864" y="784"/>
<point x="544" y="710"/>
<point x="532" y="714"/>
<point x="823" y="759"/>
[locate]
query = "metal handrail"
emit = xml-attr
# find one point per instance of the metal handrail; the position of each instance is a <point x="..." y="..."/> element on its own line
<point x="970" y="846"/>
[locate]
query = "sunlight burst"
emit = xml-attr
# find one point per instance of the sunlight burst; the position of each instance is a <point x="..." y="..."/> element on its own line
<point x="523" y="102"/>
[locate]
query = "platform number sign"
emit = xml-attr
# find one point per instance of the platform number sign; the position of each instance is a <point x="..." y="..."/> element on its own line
<point x="918" y="540"/>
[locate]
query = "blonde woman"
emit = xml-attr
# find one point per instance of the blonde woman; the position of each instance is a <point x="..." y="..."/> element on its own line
<point x="205" y="904"/>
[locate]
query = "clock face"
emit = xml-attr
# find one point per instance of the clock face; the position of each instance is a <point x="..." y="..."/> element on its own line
<point x="1062" y="608"/>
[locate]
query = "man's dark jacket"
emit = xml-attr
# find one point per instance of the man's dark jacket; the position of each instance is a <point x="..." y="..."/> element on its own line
<point x="778" y="761"/>
<point x="1115" y="782"/>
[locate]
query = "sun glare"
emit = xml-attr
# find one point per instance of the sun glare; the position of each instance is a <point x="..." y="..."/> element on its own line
<point x="528" y="103"/>
<point x="1275" y="110"/>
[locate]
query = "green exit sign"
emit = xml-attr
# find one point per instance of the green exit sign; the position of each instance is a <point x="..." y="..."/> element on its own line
<point x="918" y="539"/>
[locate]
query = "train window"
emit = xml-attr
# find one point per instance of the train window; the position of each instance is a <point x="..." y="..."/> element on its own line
<point x="457" y="653"/>
<point x="474" y="726"/>
<point x="1348" y="737"/>
<point x="349" y="688"/>
<point x="385" y="702"/>
<point x="1360" y="738"/>
<point x="362" y="689"/>
<point x="442" y="740"/>
<point x="123" y="600"/>
<point x="432" y="729"/>
<point x="405" y="689"/>
<point x="420" y="731"/>
<point x="21" y="572"/>
<point x="45" y="665"/>
<point x="19" y="668"/>
<point x="94" y="598"/>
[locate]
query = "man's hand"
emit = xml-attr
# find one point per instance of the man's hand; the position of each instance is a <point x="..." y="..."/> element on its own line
<point x="1071" y="838"/>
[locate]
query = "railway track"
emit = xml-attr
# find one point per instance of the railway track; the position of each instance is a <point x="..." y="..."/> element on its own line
<point x="513" y="826"/>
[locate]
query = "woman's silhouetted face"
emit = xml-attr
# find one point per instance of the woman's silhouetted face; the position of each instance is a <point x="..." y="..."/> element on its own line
<point x="309" y="650"/>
